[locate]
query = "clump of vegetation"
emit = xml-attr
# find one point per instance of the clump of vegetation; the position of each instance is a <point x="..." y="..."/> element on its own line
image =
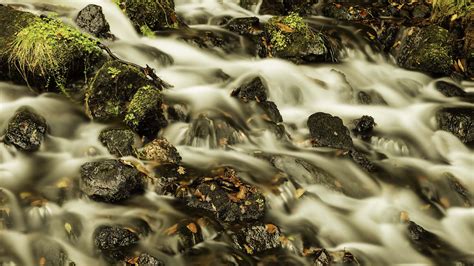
<point x="146" y="31"/>
<point x="451" y="9"/>
<point x="50" y="49"/>
<point x="283" y="30"/>
<point x="113" y="71"/>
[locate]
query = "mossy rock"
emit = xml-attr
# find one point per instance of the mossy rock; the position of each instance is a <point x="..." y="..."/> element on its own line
<point x="45" y="53"/>
<point x="281" y="7"/>
<point x="428" y="49"/>
<point x="290" y="37"/>
<point x="112" y="89"/>
<point x="150" y="15"/>
<point x="144" y="114"/>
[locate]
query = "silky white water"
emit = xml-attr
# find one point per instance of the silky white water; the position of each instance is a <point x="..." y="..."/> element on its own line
<point x="364" y="220"/>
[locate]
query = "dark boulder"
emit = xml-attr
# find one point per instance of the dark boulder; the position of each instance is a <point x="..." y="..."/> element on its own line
<point x="449" y="89"/>
<point x="114" y="242"/>
<point x="146" y="259"/>
<point x="246" y="26"/>
<point x="119" y="141"/>
<point x="225" y="196"/>
<point x="26" y="130"/>
<point x="270" y="110"/>
<point x="428" y="49"/>
<point x="421" y="11"/>
<point x="144" y="113"/>
<point x="328" y="131"/>
<point x="459" y="121"/>
<point x="110" y="181"/>
<point x="255" y="90"/>
<point x="112" y="89"/>
<point x="149" y="15"/>
<point x="92" y="20"/>
<point x="257" y="238"/>
<point x="323" y="257"/>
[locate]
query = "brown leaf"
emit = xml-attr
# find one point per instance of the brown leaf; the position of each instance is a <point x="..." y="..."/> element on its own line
<point x="172" y="230"/>
<point x="284" y="27"/>
<point x="192" y="227"/>
<point x="271" y="228"/>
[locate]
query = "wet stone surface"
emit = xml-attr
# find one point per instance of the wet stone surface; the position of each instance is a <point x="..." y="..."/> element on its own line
<point x="458" y="121"/>
<point x="26" y="130"/>
<point x="257" y="238"/>
<point x="111" y="181"/>
<point x="119" y="141"/>
<point x="114" y="242"/>
<point x="328" y="131"/>
<point x="92" y="20"/>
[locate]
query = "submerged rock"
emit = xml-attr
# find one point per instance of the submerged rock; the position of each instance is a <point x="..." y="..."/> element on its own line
<point x="48" y="252"/>
<point x="458" y="121"/>
<point x="226" y="197"/>
<point x="110" y="181"/>
<point x="26" y="130"/>
<point x="45" y="53"/>
<point x="119" y="141"/>
<point x="161" y="151"/>
<point x="328" y="131"/>
<point x="114" y="242"/>
<point x="270" y="109"/>
<point x="291" y="38"/>
<point x="449" y="89"/>
<point x="323" y="257"/>
<point x="92" y="20"/>
<point x="257" y="238"/>
<point x="255" y="90"/>
<point x="147" y="15"/>
<point x="428" y="49"/>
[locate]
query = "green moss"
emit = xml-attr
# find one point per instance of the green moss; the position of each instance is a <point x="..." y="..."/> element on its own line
<point x="50" y="49"/>
<point x="114" y="72"/>
<point x="146" y="31"/>
<point x="144" y="113"/>
<point x="151" y="14"/>
<point x="291" y="35"/>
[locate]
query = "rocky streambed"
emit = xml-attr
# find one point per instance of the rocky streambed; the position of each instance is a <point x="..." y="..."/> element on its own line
<point x="290" y="132"/>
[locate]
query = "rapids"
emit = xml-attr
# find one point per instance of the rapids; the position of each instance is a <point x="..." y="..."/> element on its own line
<point x="364" y="220"/>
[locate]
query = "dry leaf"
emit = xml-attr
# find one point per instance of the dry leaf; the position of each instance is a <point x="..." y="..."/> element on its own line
<point x="271" y="228"/>
<point x="192" y="227"/>
<point x="284" y="27"/>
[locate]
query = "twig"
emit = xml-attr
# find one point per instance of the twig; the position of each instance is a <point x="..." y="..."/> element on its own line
<point x="148" y="71"/>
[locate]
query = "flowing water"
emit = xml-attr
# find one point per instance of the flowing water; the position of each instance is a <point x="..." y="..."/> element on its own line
<point x="364" y="220"/>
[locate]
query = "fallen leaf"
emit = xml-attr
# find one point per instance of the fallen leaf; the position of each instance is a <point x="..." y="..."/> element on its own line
<point x="192" y="227"/>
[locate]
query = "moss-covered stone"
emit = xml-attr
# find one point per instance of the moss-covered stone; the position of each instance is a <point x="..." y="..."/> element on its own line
<point x="428" y="49"/>
<point x="44" y="52"/>
<point x="144" y="114"/>
<point x="151" y="15"/>
<point x="291" y="38"/>
<point x="112" y="89"/>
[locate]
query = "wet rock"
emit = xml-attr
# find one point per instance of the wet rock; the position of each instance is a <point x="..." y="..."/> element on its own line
<point x="188" y="233"/>
<point x="462" y="197"/>
<point x="161" y="151"/>
<point x="176" y="112"/>
<point x="110" y="181"/>
<point x="255" y="90"/>
<point x="149" y="15"/>
<point x="45" y="53"/>
<point x="247" y="26"/>
<point x="257" y="238"/>
<point x="363" y="126"/>
<point x="48" y="252"/>
<point x="112" y="89"/>
<point x="92" y="20"/>
<point x="323" y="257"/>
<point x="144" y="113"/>
<point x="348" y="12"/>
<point x="291" y="38"/>
<point x="226" y="197"/>
<point x="362" y="160"/>
<point x="119" y="141"/>
<point x="266" y="6"/>
<point x="146" y="259"/>
<point x="26" y="130"/>
<point x="114" y="242"/>
<point x="458" y="121"/>
<point x="429" y="244"/>
<point x="449" y="89"/>
<point x="218" y="41"/>
<point x="370" y="97"/>
<point x="428" y="49"/>
<point x="271" y="111"/>
<point x="328" y="131"/>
